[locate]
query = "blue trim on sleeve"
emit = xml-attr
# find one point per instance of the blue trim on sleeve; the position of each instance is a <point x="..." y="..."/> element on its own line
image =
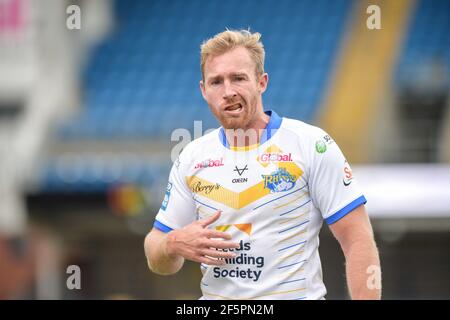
<point x="161" y="226"/>
<point x="345" y="210"/>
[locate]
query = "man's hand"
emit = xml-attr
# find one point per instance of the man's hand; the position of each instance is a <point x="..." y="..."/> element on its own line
<point x="195" y="242"/>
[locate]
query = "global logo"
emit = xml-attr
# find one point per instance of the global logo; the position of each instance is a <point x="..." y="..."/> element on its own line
<point x="209" y="163"/>
<point x="278" y="181"/>
<point x="275" y="157"/>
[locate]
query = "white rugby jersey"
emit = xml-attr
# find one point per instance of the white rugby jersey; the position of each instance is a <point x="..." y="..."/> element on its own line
<point x="273" y="196"/>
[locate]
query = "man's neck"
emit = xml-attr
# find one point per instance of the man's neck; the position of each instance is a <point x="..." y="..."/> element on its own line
<point x="249" y="136"/>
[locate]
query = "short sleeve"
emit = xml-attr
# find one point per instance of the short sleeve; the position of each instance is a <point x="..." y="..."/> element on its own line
<point x="333" y="188"/>
<point x="178" y="207"/>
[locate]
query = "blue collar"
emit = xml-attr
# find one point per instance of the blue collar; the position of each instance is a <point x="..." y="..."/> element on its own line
<point x="271" y="128"/>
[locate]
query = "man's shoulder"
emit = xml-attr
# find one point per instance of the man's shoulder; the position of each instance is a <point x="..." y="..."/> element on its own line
<point x="302" y="130"/>
<point x="197" y="146"/>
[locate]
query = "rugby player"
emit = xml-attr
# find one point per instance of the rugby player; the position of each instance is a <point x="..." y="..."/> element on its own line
<point x="247" y="201"/>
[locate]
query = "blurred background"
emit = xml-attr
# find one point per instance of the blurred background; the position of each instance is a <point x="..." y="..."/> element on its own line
<point x="87" y="115"/>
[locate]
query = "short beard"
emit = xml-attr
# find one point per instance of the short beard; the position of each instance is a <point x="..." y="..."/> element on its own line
<point x="236" y="123"/>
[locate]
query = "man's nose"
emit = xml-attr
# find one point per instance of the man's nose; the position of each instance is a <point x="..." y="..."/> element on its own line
<point x="229" y="92"/>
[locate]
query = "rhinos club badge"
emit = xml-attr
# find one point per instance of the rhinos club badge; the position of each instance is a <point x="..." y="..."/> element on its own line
<point x="278" y="181"/>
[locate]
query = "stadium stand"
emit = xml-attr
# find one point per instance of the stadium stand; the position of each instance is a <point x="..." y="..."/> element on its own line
<point x="426" y="39"/>
<point x="141" y="83"/>
<point x="149" y="68"/>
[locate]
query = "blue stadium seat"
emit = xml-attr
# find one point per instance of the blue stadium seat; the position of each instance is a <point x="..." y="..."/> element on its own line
<point x="427" y="39"/>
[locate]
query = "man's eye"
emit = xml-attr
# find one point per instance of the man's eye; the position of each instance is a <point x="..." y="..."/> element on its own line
<point x="215" y="82"/>
<point x="240" y="78"/>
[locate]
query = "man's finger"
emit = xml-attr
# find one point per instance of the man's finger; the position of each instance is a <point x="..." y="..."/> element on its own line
<point x="218" y="254"/>
<point x="220" y="244"/>
<point x="211" y="219"/>
<point x="209" y="261"/>
<point x="218" y="234"/>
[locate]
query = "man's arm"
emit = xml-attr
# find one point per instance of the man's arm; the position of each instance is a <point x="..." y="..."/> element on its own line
<point x="166" y="252"/>
<point x="354" y="234"/>
<point x="158" y="260"/>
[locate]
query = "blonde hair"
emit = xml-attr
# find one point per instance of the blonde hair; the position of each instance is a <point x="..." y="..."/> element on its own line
<point x="230" y="39"/>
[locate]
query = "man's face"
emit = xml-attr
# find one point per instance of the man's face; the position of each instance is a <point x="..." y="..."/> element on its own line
<point x="232" y="89"/>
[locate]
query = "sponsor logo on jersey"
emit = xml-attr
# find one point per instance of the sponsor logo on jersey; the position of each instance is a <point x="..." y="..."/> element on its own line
<point x="278" y="181"/>
<point x="209" y="163"/>
<point x="247" y="266"/>
<point x="166" y="197"/>
<point x="321" y="146"/>
<point x="199" y="187"/>
<point x="240" y="171"/>
<point x="328" y="139"/>
<point x="348" y="174"/>
<point x="275" y="157"/>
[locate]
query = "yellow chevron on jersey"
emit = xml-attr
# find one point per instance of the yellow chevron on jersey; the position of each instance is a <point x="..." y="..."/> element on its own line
<point x="238" y="200"/>
<point x="232" y="199"/>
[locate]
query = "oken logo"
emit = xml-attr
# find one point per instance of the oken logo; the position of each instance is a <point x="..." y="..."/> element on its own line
<point x="74" y="280"/>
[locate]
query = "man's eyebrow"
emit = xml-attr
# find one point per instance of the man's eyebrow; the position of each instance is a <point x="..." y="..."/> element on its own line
<point x="239" y="74"/>
<point x="217" y="77"/>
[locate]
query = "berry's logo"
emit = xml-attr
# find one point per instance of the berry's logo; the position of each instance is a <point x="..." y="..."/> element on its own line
<point x="200" y="187"/>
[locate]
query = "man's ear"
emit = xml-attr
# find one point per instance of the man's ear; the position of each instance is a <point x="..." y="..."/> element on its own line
<point x="263" y="81"/>
<point x="202" y="88"/>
